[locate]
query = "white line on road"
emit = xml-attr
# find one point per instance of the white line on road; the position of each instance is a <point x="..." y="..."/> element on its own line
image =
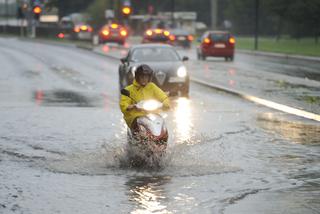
<point x="264" y="102"/>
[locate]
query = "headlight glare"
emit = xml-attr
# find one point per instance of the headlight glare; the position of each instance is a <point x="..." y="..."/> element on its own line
<point x="182" y="71"/>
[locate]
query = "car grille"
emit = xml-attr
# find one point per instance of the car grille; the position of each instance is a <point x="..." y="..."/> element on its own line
<point x="160" y="77"/>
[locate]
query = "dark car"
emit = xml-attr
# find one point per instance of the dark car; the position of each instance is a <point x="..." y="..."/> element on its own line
<point x="170" y="73"/>
<point x="216" y="44"/>
<point x="113" y="33"/>
<point x="156" y="35"/>
<point x="180" y="37"/>
<point x="82" y="32"/>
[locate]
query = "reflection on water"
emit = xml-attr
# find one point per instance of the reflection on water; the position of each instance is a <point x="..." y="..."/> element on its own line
<point x="295" y="131"/>
<point x="182" y="114"/>
<point x="148" y="194"/>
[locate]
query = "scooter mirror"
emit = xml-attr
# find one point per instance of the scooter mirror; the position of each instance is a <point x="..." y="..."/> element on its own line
<point x="125" y="92"/>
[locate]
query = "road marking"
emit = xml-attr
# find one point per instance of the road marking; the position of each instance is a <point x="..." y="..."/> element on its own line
<point x="264" y="102"/>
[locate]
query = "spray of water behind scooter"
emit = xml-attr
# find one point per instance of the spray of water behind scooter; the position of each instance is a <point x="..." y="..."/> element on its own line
<point x="148" y="142"/>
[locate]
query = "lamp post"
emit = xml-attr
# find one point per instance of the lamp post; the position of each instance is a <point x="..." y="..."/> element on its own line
<point x="214" y="13"/>
<point x="172" y="12"/>
<point x="256" y="29"/>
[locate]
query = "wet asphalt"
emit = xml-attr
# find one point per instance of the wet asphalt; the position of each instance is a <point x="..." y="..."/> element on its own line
<point x="63" y="140"/>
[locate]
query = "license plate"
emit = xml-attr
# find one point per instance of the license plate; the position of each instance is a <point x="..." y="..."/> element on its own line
<point x="219" y="45"/>
<point x="177" y="79"/>
<point x="181" y="38"/>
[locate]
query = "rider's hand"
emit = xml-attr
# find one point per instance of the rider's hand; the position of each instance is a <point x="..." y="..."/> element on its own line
<point x="130" y="107"/>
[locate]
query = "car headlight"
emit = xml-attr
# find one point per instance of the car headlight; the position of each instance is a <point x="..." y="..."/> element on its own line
<point x="182" y="71"/>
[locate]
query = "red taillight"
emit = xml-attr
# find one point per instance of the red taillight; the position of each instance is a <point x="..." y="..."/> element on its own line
<point x="232" y="40"/>
<point x="166" y="33"/>
<point x="172" y="37"/>
<point x="114" y="26"/>
<point x="84" y="27"/>
<point x="90" y="29"/>
<point x="190" y="38"/>
<point x="149" y="32"/>
<point x="76" y="29"/>
<point x="158" y="31"/>
<point x="61" y="35"/>
<point x="105" y="32"/>
<point x="207" y="41"/>
<point x="123" y="33"/>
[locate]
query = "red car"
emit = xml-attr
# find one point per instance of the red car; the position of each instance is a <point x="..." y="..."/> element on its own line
<point x="156" y="35"/>
<point x="113" y="33"/>
<point x="216" y="44"/>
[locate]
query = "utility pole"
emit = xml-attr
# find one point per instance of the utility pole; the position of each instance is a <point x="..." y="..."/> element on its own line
<point x="214" y="13"/>
<point x="256" y="29"/>
<point x="7" y="18"/>
<point x="172" y="13"/>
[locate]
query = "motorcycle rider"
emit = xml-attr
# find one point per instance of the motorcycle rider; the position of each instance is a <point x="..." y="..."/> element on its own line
<point x="141" y="89"/>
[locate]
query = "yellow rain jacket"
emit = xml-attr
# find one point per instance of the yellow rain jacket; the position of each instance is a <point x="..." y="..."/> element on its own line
<point x="138" y="93"/>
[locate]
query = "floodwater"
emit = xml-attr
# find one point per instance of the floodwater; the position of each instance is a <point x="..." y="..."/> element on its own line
<point x="63" y="148"/>
<point x="223" y="157"/>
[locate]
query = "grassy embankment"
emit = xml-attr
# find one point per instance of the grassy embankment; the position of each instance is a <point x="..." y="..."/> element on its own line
<point x="306" y="46"/>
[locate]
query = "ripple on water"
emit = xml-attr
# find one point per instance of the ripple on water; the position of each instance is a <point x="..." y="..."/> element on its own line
<point x="112" y="158"/>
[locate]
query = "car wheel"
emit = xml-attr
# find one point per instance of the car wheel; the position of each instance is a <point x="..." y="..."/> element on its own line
<point x="226" y="59"/>
<point x="231" y="58"/>
<point x="203" y="57"/>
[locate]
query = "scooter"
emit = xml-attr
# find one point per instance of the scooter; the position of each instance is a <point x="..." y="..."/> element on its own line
<point x="148" y="141"/>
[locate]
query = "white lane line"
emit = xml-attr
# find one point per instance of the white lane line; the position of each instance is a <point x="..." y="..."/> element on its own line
<point x="264" y="102"/>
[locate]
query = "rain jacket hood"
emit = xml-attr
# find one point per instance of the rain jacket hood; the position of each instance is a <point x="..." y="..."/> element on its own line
<point x="138" y="93"/>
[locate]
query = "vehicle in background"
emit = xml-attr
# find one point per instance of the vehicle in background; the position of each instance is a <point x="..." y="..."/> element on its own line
<point x="74" y="26"/>
<point x="82" y="32"/>
<point x="169" y="71"/>
<point x="180" y="37"/>
<point x="156" y="35"/>
<point x="216" y="44"/>
<point x="113" y="33"/>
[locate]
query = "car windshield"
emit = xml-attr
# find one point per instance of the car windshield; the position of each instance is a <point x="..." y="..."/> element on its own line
<point x="154" y="54"/>
<point x="219" y="37"/>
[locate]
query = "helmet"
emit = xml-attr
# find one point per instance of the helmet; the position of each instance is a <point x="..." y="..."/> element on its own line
<point x="143" y="70"/>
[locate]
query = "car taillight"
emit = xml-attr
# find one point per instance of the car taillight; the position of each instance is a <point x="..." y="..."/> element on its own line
<point x="114" y="26"/>
<point x="105" y="32"/>
<point x="149" y="32"/>
<point x="158" y="31"/>
<point x="166" y="33"/>
<point x="90" y="29"/>
<point x="61" y="35"/>
<point x="76" y="29"/>
<point x="190" y="38"/>
<point x="84" y="28"/>
<point x="123" y="33"/>
<point x="172" y="37"/>
<point x="207" y="41"/>
<point x="232" y="40"/>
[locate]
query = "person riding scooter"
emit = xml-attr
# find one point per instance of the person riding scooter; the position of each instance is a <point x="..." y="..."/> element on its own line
<point x="141" y="89"/>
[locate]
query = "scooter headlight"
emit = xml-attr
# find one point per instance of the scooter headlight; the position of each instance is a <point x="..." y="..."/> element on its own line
<point x="151" y="105"/>
<point x="182" y="71"/>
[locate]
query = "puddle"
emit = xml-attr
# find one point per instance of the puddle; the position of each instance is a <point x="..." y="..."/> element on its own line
<point x="294" y="130"/>
<point x="65" y="98"/>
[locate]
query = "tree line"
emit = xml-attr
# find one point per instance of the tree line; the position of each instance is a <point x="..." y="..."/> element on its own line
<point x="278" y="18"/>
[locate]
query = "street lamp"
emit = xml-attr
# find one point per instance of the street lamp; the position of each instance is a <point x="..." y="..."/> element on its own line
<point x="256" y="29"/>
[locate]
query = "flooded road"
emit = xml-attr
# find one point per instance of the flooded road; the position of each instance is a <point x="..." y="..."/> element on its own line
<point x="63" y="145"/>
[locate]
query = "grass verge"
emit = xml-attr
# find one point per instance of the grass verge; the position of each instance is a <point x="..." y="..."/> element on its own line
<point x="306" y="46"/>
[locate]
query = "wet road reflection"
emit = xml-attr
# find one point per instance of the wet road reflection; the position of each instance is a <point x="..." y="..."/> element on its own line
<point x="148" y="194"/>
<point x="183" y="119"/>
<point x="294" y="131"/>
